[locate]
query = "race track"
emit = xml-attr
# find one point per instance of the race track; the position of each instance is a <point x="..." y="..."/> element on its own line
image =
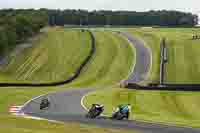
<point x="143" y="60"/>
<point x="66" y="105"/>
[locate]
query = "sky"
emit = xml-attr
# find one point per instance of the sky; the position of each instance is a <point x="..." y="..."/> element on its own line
<point x="136" y="5"/>
<point x="132" y="5"/>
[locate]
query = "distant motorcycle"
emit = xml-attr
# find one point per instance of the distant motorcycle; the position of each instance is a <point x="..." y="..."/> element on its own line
<point x="45" y="104"/>
<point x="95" y="111"/>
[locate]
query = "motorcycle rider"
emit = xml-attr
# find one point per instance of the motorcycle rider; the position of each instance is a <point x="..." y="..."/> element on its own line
<point x="125" y="109"/>
<point x="98" y="107"/>
<point x="44" y="103"/>
<point x="95" y="111"/>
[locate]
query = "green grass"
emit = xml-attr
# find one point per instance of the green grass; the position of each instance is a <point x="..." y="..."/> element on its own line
<point x="183" y="65"/>
<point x="55" y="56"/>
<point x="152" y="43"/>
<point x="183" y="53"/>
<point x="181" y="108"/>
<point x="111" y="63"/>
<point x="20" y="125"/>
<point x="56" y="51"/>
<point x="164" y="107"/>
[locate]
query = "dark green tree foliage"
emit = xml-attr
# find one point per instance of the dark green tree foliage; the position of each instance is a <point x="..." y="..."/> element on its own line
<point x="23" y="26"/>
<point x="159" y="18"/>
<point x="3" y="39"/>
<point x="18" y="25"/>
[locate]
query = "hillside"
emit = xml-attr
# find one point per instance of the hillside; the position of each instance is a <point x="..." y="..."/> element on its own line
<point x="54" y="56"/>
<point x="111" y="63"/>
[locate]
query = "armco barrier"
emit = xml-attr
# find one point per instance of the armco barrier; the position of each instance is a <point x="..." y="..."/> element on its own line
<point x="163" y="60"/>
<point x="70" y="79"/>
<point x="165" y="87"/>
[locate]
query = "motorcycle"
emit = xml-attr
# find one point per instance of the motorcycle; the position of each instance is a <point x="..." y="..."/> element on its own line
<point x="95" y="111"/>
<point x="45" y="104"/>
<point x="118" y="115"/>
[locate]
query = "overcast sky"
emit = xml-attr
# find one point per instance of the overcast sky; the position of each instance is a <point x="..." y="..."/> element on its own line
<point x="134" y="5"/>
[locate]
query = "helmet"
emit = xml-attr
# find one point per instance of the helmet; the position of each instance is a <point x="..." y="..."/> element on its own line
<point x="98" y="105"/>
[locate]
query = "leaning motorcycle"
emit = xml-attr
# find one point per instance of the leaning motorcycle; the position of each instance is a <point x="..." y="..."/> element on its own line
<point x="117" y="115"/>
<point x="44" y="104"/>
<point x="94" y="112"/>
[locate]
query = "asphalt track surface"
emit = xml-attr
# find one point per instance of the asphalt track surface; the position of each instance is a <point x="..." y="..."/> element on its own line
<point x="66" y="105"/>
<point x="143" y="60"/>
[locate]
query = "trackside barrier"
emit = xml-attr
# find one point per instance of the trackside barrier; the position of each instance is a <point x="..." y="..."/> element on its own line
<point x="163" y="60"/>
<point x="59" y="83"/>
<point x="165" y="87"/>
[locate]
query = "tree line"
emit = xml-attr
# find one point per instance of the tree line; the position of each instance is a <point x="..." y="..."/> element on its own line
<point x="84" y="17"/>
<point x="16" y="25"/>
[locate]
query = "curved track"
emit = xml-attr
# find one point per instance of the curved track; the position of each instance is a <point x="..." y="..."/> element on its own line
<point x="143" y="60"/>
<point x="65" y="105"/>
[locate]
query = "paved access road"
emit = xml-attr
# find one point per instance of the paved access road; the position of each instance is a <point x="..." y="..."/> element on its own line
<point x="66" y="105"/>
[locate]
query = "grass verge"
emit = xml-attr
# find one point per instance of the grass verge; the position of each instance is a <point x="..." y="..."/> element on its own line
<point x="154" y="106"/>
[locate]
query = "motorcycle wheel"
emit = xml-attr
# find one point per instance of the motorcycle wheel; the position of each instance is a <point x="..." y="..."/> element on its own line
<point x="117" y="116"/>
<point x="90" y="114"/>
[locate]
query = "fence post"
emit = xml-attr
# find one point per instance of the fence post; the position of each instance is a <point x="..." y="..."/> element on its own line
<point x="163" y="60"/>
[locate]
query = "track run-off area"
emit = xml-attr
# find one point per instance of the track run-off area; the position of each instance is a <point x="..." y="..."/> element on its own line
<point x="67" y="105"/>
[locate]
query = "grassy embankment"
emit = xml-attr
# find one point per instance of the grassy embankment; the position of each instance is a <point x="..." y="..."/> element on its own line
<point x="112" y="62"/>
<point x="181" y="108"/>
<point x="54" y="57"/>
